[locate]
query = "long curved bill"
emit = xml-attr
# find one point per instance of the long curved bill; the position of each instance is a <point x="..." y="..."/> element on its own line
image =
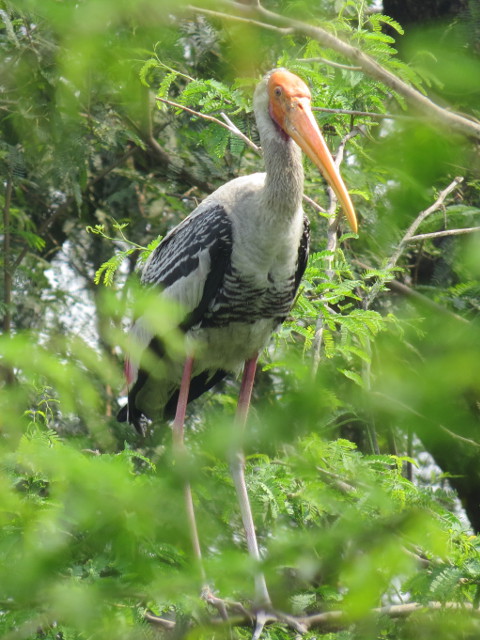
<point x="300" y="124"/>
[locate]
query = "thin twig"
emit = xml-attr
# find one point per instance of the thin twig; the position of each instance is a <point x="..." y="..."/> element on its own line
<point x="436" y="425"/>
<point x="442" y="234"/>
<point x="314" y="204"/>
<point x="236" y="131"/>
<point x="336" y="481"/>
<point x="403" y="289"/>
<point x="339" y="619"/>
<point x="410" y="232"/>
<point x="164" y="623"/>
<point x="423" y="215"/>
<point x="331" y="63"/>
<point x="333" y="222"/>
<point x="233" y="18"/>
<point x="457" y="436"/>
<point x="6" y="371"/>
<point x="223" y="606"/>
<point x="7" y="272"/>
<point x="370" y="114"/>
<point x="228" y="124"/>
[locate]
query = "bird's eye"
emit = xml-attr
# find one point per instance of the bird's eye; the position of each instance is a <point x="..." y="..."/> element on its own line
<point x="278" y="91"/>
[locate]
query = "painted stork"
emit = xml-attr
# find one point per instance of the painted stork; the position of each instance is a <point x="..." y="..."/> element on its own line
<point x="235" y="265"/>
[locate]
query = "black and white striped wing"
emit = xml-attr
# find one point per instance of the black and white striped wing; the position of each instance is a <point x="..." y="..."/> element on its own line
<point x="189" y="267"/>
<point x="189" y="264"/>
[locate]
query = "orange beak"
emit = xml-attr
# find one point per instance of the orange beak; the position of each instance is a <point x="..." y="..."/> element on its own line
<point x="290" y="107"/>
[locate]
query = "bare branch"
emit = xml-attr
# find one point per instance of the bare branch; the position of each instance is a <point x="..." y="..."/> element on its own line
<point x="336" y="481"/>
<point x="229" y="16"/>
<point x="423" y="215"/>
<point x="164" y="623"/>
<point x="403" y="289"/>
<point x="392" y="261"/>
<point x="313" y="204"/>
<point x="339" y="619"/>
<point x="236" y="131"/>
<point x="228" y="124"/>
<point x="370" y="114"/>
<point x="442" y="234"/>
<point x="6" y="371"/>
<point x="7" y="272"/>
<point x="457" y="436"/>
<point x="392" y="400"/>
<point x="325" y="620"/>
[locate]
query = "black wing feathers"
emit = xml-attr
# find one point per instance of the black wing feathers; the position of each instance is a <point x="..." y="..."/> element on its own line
<point x="178" y="255"/>
<point x="220" y="263"/>
<point x="303" y="250"/>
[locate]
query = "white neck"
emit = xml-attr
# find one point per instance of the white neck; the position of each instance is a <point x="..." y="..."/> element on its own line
<point x="284" y="184"/>
<point x="283" y="189"/>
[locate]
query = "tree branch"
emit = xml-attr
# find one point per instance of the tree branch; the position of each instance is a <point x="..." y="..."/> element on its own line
<point x="408" y="292"/>
<point x="326" y="620"/>
<point x="370" y="114"/>
<point x="410" y="232"/>
<point x="7" y="273"/>
<point x="228" y="16"/>
<point x="314" y="204"/>
<point x="456" y="436"/>
<point x="459" y="123"/>
<point x="7" y="371"/>
<point x="442" y="234"/>
<point x="423" y="215"/>
<point x="228" y="124"/>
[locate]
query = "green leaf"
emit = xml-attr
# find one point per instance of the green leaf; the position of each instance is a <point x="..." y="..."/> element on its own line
<point x="166" y="83"/>
<point x="151" y="63"/>
<point x="352" y="375"/>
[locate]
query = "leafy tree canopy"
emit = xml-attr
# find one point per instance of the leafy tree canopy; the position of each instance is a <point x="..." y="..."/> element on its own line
<point x="116" y="118"/>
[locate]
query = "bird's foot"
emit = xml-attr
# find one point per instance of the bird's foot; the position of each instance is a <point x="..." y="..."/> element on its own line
<point x="259" y="617"/>
<point x="222" y="605"/>
<point x="267" y="615"/>
<point x="225" y="607"/>
<point x="291" y="621"/>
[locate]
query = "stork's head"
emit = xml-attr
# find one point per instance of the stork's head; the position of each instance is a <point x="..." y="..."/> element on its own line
<point x="289" y="106"/>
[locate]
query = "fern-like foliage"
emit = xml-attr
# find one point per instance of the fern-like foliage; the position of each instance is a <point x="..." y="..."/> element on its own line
<point x="105" y="274"/>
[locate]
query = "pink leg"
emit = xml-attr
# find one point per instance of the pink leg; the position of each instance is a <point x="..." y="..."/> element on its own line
<point x="238" y="474"/>
<point x="179" y="447"/>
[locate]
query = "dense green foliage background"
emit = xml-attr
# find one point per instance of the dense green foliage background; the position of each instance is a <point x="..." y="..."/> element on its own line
<point x="363" y="445"/>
